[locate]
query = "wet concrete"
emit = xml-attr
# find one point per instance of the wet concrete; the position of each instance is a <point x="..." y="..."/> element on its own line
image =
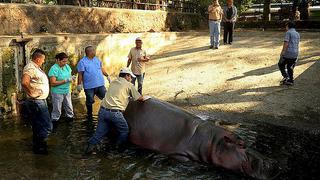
<point x="298" y="153"/>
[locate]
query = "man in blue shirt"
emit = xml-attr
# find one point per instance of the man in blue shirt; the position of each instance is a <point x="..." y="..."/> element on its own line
<point x="289" y="54"/>
<point x="90" y="78"/>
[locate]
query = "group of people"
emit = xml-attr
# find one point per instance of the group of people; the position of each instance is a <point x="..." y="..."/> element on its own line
<point x="116" y="98"/>
<point x="227" y="15"/>
<point x="90" y="78"/>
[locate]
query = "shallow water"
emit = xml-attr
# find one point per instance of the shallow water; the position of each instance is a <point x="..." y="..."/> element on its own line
<point x="297" y="152"/>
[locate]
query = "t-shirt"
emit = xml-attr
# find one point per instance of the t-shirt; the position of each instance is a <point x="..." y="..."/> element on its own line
<point x="39" y="79"/>
<point x="118" y="94"/>
<point x="92" y="72"/>
<point x="215" y="12"/>
<point x="137" y="67"/>
<point x="61" y="73"/>
<point x="293" y="39"/>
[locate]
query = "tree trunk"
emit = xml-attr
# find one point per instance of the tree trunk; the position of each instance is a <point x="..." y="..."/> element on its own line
<point x="266" y="10"/>
<point x="304" y="9"/>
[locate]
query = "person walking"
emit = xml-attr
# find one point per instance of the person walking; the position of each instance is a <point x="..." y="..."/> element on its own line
<point x="215" y="15"/>
<point x="289" y="54"/>
<point x="112" y="108"/>
<point x="60" y="80"/>
<point x="36" y="84"/>
<point x="229" y="19"/>
<point x="137" y="58"/>
<point x="90" y="78"/>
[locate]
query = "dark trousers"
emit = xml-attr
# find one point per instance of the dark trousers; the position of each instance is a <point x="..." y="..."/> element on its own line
<point x="100" y="92"/>
<point x="286" y="66"/>
<point x="228" y="32"/>
<point x="39" y="115"/>
<point x="140" y="79"/>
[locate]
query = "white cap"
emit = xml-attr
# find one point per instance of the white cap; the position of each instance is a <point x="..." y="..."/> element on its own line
<point x="126" y="70"/>
<point x="138" y="39"/>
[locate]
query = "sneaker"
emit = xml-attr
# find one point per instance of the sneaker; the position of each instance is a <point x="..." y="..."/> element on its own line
<point x="289" y="83"/>
<point x="283" y="81"/>
<point x="210" y="47"/>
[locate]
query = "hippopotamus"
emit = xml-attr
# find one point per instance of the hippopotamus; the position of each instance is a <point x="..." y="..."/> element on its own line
<point x="165" y="128"/>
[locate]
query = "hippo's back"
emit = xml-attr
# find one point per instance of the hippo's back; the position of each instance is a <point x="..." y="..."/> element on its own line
<point x="160" y="126"/>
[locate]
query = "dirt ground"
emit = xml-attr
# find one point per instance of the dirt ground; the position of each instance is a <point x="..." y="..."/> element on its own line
<point x="240" y="79"/>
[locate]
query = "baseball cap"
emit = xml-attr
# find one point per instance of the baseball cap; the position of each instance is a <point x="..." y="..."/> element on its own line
<point x="138" y="39"/>
<point x="126" y="70"/>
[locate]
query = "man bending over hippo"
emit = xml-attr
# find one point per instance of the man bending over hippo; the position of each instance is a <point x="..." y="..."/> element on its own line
<point x="112" y="108"/>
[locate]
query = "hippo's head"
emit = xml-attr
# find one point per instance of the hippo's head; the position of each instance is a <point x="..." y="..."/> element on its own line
<point x="260" y="167"/>
<point x="231" y="153"/>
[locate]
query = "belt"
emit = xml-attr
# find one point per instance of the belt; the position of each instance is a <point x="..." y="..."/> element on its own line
<point x="112" y="110"/>
<point x="33" y="100"/>
<point x="214" y="19"/>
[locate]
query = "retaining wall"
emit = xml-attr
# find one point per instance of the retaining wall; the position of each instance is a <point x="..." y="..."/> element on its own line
<point x="31" y="19"/>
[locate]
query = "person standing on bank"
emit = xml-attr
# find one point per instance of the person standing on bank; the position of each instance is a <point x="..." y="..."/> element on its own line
<point x="112" y="106"/>
<point x="90" y="78"/>
<point x="60" y="80"/>
<point x="289" y="54"/>
<point x="229" y="19"/>
<point x="137" y="58"/>
<point x="215" y="15"/>
<point x="36" y="84"/>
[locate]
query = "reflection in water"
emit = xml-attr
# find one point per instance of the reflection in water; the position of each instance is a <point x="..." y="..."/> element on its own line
<point x="297" y="152"/>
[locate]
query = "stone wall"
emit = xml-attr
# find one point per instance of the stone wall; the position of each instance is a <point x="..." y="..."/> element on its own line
<point x="31" y="19"/>
<point x="112" y="49"/>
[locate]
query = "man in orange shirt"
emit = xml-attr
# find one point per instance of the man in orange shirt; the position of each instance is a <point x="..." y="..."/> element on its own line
<point x="215" y="15"/>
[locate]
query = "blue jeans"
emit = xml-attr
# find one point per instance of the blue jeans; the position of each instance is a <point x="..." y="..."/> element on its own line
<point x="90" y="93"/>
<point x="214" y="27"/>
<point x="57" y="101"/>
<point x="105" y="119"/>
<point x="140" y="79"/>
<point x="40" y="119"/>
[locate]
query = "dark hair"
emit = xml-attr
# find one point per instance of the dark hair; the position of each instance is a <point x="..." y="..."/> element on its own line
<point x="86" y="49"/>
<point x="37" y="53"/>
<point x="291" y="24"/>
<point x="61" y="56"/>
<point x="123" y="74"/>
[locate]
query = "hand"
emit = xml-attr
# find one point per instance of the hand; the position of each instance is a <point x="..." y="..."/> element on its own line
<point x="68" y="80"/>
<point x="80" y="87"/>
<point x="146" y="98"/>
<point x="36" y="93"/>
<point x="147" y="58"/>
<point x="108" y="78"/>
<point x="74" y="77"/>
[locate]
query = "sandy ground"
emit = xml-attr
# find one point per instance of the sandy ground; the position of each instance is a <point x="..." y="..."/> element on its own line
<point x="238" y="79"/>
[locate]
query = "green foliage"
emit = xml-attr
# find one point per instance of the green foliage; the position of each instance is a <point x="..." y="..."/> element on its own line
<point x="242" y="5"/>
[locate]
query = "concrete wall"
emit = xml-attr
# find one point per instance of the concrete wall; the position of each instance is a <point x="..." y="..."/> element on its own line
<point x="30" y="19"/>
<point x="112" y="49"/>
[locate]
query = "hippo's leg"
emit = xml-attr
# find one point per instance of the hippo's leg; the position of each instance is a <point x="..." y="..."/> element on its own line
<point x="180" y="157"/>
